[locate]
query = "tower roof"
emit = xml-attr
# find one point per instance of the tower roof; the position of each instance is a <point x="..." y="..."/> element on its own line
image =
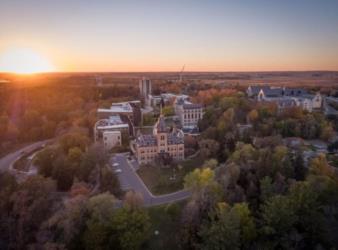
<point x="160" y="125"/>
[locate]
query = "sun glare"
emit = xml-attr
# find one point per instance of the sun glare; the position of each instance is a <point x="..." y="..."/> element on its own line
<point x="24" y="61"/>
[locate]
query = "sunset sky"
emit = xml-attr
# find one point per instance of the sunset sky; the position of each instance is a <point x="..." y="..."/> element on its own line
<point x="238" y="35"/>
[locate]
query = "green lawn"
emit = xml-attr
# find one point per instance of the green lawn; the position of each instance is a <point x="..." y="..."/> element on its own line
<point x="159" y="180"/>
<point x="165" y="220"/>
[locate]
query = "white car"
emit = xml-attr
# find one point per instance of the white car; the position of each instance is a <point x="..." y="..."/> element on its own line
<point x="118" y="170"/>
<point x="115" y="164"/>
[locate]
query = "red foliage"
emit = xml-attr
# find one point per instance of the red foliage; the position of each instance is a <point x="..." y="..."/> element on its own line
<point x="207" y="96"/>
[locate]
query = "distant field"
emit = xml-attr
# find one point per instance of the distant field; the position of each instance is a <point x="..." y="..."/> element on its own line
<point x="308" y="78"/>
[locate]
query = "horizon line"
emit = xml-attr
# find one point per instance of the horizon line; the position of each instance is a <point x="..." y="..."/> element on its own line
<point x="185" y="72"/>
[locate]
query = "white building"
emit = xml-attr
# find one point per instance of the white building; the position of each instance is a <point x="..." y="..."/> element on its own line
<point x="130" y="111"/>
<point x="287" y="97"/>
<point x="111" y="139"/>
<point x="154" y="100"/>
<point x="164" y="99"/>
<point x="188" y="113"/>
<point x="112" y="124"/>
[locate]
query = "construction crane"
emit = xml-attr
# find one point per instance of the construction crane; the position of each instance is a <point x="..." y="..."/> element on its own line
<point x="181" y="73"/>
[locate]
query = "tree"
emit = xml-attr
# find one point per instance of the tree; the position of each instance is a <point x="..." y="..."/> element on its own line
<point x="279" y="217"/>
<point x="299" y="167"/>
<point x="74" y="156"/>
<point x="32" y="204"/>
<point x="48" y="129"/>
<point x="94" y="157"/>
<point x="208" y="147"/>
<point x="101" y="209"/>
<point x="267" y="188"/>
<point x="168" y="111"/>
<point x="253" y="116"/>
<point x="67" y="225"/>
<point x="319" y="166"/>
<point x="72" y="140"/>
<point x="133" y="200"/>
<point x="246" y="223"/>
<point x="199" y="178"/>
<point x="211" y="163"/>
<point x="109" y="182"/>
<point x="130" y="228"/>
<point x="223" y="230"/>
<point x="63" y="173"/>
<point x="79" y="188"/>
<point x="305" y="200"/>
<point x="327" y="132"/>
<point x="3" y="125"/>
<point x="196" y="212"/>
<point x="8" y="186"/>
<point x="44" y="161"/>
<point x="243" y="154"/>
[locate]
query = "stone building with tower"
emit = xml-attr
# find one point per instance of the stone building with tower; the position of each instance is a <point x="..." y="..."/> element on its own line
<point x="161" y="145"/>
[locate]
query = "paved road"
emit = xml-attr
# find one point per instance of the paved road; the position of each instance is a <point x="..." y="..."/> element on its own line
<point x="129" y="179"/>
<point x="6" y="161"/>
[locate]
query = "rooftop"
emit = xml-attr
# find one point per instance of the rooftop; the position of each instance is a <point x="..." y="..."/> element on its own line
<point x="160" y="124"/>
<point x="121" y="107"/>
<point x="113" y="121"/>
<point x="146" y="140"/>
<point x="192" y="106"/>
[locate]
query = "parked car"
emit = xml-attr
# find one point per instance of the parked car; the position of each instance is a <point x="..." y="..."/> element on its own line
<point x="118" y="170"/>
<point x="115" y="164"/>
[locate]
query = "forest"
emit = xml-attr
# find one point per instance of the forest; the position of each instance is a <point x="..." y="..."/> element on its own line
<point x="251" y="192"/>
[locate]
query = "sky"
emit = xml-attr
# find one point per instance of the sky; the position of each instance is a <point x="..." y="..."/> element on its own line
<point x="141" y="35"/>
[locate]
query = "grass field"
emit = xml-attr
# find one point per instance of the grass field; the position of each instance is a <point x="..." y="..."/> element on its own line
<point x="160" y="180"/>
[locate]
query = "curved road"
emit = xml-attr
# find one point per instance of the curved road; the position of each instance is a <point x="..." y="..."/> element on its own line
<point x="9" y="159"/>
<point x="129" y="179"/>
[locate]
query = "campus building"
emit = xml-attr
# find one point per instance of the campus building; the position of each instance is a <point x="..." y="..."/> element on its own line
<point x="145" y="90"/>
<point x="129" y="111"/>
<point x="188" y="113"/>
<point x="111" y="131"/>
<point x="160" y="145"/>
<point x="111" y="139"/>
<point x="117" y="123"/>
<point x="286" y="97"/>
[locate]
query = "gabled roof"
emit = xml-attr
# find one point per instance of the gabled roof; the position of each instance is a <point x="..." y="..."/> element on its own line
<point x="256" y="89"/>
<point x="294" y="92"/>
<point x="273" y="92"/>
<point x="174" y="139"/>
<point x="146" y="140"/>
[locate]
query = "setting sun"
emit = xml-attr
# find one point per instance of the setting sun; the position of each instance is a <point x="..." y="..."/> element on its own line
<point x="24" y="61"/>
